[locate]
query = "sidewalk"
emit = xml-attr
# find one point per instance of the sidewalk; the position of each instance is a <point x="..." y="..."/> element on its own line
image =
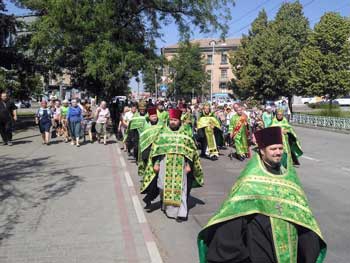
<point x="60" y="203"/>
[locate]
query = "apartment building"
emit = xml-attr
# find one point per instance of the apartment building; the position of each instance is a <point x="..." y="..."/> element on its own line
<point x="216" y="55"/>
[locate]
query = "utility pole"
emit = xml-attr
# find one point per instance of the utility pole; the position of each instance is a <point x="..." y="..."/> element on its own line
<point x="212" y="43"/>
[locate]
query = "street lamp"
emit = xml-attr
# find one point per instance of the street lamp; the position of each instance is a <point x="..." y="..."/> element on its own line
<point x="212" y="43"/>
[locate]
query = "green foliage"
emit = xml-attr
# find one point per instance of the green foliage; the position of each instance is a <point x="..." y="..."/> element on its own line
<point x="323" y="65"/>
<point x="151" y="73"/>
<point x="104" y="43"/>
<point x="189" y="74"/>
<point x="264" y="63"/>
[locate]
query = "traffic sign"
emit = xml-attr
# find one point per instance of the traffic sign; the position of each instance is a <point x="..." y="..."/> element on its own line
<point x="163" y="88"/>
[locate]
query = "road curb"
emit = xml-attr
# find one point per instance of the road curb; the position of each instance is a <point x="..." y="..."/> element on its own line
<point x="151" y="245"/>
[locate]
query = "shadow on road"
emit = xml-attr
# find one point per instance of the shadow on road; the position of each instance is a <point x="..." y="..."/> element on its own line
<point x="28" y="184"/>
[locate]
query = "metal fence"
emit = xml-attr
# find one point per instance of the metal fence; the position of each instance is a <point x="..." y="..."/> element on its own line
<point x="322" y="121"/>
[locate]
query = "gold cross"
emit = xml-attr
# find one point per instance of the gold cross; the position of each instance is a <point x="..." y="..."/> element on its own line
<point x="283" y="247"/>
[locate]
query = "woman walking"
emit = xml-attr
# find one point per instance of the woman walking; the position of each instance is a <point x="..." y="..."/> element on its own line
<point x="43" y="118"/>
<point x="75" y="118"/>
<point x="88" y="117"/>
<point x="123" y="124"/>
<point x="102" y="118"/>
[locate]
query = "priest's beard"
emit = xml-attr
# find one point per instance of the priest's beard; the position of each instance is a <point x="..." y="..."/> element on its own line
<point x="154" y="122"/>
<point x="174" y="127"/>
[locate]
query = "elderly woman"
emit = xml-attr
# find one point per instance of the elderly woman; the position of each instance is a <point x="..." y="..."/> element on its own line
<point x="44" y="119"/>
<point x="75" y="118"/>
<point x="102" y="117"/>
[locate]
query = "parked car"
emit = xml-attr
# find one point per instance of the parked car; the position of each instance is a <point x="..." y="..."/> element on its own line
<point x="21" y="104"/>
<point x="306" y="100"/>
<point x="344" y="101"/>
<point x="316" y="99"/>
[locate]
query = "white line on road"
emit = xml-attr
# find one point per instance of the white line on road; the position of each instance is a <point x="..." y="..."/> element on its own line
<point x="138" y="209"/>
<point x="346" y="169"/>
<point x="154" y="252"/>
<point x="129" y="182"/>
<point x="152" y="247"/>
<point x="310" y="158"/>
<point x="122" y="161"/>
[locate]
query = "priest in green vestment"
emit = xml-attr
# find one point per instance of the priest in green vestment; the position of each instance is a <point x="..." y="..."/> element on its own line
<point x="163" y="115"/>
<point x="266" y="218"/>
<point x="147" y="138"/>
<point x="209" y="133"/>
<point x="176" y="163"/>
<point x="238" y="130"/>
<point x="292" y="147"/>
<point x="135" y="128"/>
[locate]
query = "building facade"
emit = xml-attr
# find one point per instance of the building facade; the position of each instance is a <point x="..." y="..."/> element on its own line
<point x="216" y="54"/>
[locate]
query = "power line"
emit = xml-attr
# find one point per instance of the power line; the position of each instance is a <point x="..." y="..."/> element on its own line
<point x="272" y="9"/>
<point x="250" y="11"/>
<point x="248" y="25"/>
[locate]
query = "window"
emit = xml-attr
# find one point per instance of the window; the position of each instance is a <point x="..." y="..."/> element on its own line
<point x="223" y="58"/>
<point x="210" y="59"/>
<point x="224" y="73"/>
<point x="223" y="85"/>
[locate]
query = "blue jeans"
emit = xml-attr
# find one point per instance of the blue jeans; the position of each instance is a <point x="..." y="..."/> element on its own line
<point x="75" y="129"/>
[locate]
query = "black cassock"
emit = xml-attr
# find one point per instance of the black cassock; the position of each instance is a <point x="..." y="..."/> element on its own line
<point x="249" y="240"/>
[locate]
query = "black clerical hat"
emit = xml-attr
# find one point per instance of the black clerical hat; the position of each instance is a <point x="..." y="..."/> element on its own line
<point x="269" y="136"/>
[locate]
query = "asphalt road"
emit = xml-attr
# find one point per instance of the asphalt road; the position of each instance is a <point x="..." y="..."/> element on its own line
<point x="325" y="175"/>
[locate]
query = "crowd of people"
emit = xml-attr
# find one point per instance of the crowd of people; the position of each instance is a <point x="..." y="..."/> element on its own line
<point x="266" y="217"/>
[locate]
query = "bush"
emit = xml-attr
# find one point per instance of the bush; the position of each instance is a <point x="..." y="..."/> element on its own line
<point x="323" y="106"/>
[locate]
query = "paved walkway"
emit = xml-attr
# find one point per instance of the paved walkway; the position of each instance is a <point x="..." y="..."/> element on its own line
<point x="60" y="203"/>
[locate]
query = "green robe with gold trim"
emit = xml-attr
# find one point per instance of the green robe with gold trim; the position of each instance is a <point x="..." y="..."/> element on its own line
<point x="187" y="123"/>
<point x="163" y="117"/>
<point x="147" y="138"/>
<point x="176" y="146"/>
<point x="238" y="126"/>
<point x="279" y="197"/>
<point x="291" y="144"/>
<point x="212" y="138"/>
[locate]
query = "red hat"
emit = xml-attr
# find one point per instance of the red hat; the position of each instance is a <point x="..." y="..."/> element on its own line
<point x="269" y="136"/>
<point x="152" y="111"/>
<point x="175" y="114"/>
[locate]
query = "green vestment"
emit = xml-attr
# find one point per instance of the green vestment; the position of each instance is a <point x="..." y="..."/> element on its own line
<point x="163" y="117"/>
<point x="279" y="197"/>
<point x="238" y="126"/>
<point x="207" y="122"/>
<point x="187" y="123"/>
<point x="177" y="146"/>
<point x="147" y="138"/>
<point x="295" y="146"/>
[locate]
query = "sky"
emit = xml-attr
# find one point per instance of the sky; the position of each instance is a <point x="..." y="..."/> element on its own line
<point x="243" y="13"/>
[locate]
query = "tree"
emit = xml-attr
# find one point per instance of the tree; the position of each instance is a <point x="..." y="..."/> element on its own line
<point x="151" y="74"/>
<point x="323" y="68"/>
<point x="242" y="58"/>
<point x="189" y="68"/>
<point x="269" y="54"/>
<point x="107" y="42"/>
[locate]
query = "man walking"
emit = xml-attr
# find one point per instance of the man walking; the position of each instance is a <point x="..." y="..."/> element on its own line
<point x="266" y="217"/>
<point x="176" y="162"/>
<point x="8" y="115"/>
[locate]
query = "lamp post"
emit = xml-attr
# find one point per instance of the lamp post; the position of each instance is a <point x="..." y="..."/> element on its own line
<point x="212" y="43"/>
